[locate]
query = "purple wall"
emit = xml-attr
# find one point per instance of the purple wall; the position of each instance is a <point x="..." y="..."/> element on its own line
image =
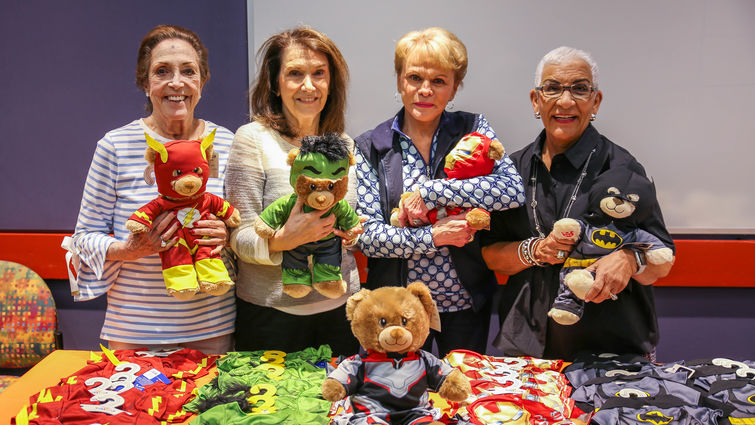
<point x="67" y="73"/>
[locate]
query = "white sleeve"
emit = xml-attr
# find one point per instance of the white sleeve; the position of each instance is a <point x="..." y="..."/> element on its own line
<point x="244" y="188"/>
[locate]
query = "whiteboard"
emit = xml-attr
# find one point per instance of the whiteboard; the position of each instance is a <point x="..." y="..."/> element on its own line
<point x="678" y="80"/>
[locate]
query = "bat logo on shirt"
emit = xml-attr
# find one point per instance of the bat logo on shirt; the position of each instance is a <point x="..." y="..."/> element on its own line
<point x="631" y="393"/>
<point x="605" y="238"/>
<point x="654" y="417"/>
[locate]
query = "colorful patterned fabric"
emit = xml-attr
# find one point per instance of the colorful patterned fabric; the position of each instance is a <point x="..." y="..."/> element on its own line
<point x="6" y="380"/>
<point x="28" y="318"/>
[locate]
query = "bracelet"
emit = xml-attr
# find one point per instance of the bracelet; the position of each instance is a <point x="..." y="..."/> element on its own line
<point x="526" y="251"/>
<point x="641" y="259"/>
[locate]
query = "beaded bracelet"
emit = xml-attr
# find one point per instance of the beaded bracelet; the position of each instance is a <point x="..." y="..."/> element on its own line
<point x="526" y="251"/>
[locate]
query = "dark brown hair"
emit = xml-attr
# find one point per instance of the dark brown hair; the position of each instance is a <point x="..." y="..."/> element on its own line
<point x="266" y="105"/>
<point x="153" y="38"/>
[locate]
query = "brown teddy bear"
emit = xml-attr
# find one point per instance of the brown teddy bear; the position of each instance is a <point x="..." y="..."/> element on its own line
<point x="390" y="382"/>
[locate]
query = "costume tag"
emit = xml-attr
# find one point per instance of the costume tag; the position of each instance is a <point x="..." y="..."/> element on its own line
<point x="150" y="377"/>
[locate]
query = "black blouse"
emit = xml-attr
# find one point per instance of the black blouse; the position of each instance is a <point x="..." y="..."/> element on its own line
<point x="627" y="325"/>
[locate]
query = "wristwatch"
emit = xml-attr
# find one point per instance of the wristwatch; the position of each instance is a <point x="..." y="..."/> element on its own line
<point x="642" y="261"/>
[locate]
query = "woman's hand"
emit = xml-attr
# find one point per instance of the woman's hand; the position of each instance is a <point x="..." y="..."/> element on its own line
<point x="547" y="251"/>
<point x="301" y="228"/>
<point x="452" y="230"/>
<point x="215" y="231"/>
<point x="139" y="245"/>
<point x="349" y="238"/>
<point x="413" y="211"/>
<point x="612" y="274"/>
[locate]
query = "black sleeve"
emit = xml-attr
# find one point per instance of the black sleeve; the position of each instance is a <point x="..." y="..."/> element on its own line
<point x="506" y="226"/>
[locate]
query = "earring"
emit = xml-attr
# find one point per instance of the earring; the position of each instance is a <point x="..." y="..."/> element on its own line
<point x="592" y="117"/>
<point x="537" y="115"/>
<point x="397" y="97"/>
<point x="450" y="105"/>
<point x="146" y="93"/>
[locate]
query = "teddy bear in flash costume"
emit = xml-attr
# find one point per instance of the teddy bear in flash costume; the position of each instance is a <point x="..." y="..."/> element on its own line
<point x="181" y="170"/>
<point x="618" y="201"/>
<point x="320" y="176"/>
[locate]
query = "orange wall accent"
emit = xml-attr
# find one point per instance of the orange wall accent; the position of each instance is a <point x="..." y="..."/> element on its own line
<point x="40" y="252"/>
<point x="700" y="262"/>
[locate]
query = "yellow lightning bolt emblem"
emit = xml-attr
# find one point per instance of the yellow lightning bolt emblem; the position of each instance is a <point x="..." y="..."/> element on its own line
<point x="144" y="216"/>
<point x="155" y="405"/>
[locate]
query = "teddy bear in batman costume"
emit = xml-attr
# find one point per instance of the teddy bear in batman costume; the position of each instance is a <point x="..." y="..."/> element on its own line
<point x="618" y="201"/>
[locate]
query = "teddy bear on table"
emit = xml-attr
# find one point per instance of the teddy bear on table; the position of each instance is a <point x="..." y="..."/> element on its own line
<point x="320" y="176"/>
<point x="182" y="168"/>
<point x="618" y="201"/>
<point x="473" y="156"/>
<point x="390" y="382"/>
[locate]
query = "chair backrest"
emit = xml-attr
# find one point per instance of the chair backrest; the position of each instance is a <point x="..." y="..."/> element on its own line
<point x="28" y="319"/>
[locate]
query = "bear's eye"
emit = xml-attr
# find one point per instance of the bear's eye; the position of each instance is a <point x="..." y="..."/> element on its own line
<point x="403" y="321"/>
<point x="198" y="170"/>
<point x="331" y="186"/>
<point x="312" y="186"/>
<point x="177" y="173"/>
<point x="383" y="322"/>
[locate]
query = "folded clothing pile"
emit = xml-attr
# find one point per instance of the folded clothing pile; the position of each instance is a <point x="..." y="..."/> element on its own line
<point x="515" y="390"/>
<point x="265" y="387"/>
<point x="622" y="389"/>
<point x="122" y="387"/>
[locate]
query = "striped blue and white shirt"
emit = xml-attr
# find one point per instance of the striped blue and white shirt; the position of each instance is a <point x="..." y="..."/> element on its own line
<point x="139" y="309"/>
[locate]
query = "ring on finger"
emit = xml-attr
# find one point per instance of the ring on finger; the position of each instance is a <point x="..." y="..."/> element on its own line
<point x="560" y="255"/>
<point x="163" y="244"/>
<point x="613" y="296"/>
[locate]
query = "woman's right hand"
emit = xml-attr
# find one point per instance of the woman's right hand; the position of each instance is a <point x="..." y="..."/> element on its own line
<point x="452" y="230"/>
<point x="301" y="228"/>
<point x="139" y="245"/>
<point x="547" y="251"/>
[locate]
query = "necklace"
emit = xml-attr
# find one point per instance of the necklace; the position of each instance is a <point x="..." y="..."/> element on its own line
<point x="567" y="209"/>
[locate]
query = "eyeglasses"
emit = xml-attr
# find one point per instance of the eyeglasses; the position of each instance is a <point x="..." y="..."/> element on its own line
<point x="579" y="91"/>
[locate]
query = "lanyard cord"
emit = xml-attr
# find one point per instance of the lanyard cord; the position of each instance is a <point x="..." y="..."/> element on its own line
<point x="573" y="197"/>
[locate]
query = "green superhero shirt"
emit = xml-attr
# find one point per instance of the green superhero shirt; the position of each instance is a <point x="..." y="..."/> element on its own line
<point x="276" y="214"/>
<point x="285" y="388"/>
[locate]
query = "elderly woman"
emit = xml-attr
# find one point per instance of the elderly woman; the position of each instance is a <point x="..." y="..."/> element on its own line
<point x="406" y="154"/>
<point x="172" y="69"/>
<point x="559" y="168"/>
<point x="300" y="91"/>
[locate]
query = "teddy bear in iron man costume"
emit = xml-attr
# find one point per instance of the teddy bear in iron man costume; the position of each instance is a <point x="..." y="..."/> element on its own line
<point x="473" y="156"/>
<point x="619" y="201"/>
<point x="181" y="171"/>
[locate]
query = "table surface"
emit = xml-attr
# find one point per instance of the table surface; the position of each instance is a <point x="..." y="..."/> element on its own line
<point x="48" y="372"/>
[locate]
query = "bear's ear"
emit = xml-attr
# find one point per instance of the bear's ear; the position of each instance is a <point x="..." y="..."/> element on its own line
<point x="213" y="162"/>
<point x="292" y="154"/>
<point x="353" y="301"/>
<point x="149" y="177"/>
<point x="419" y="290"/>
<point x="496" y="150"/>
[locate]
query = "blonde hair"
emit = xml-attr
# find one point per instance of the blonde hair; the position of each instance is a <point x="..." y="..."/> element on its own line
<point x="436" y="46"/>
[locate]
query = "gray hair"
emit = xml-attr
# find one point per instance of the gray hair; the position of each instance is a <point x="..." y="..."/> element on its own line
<point x="566" y="54"/>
